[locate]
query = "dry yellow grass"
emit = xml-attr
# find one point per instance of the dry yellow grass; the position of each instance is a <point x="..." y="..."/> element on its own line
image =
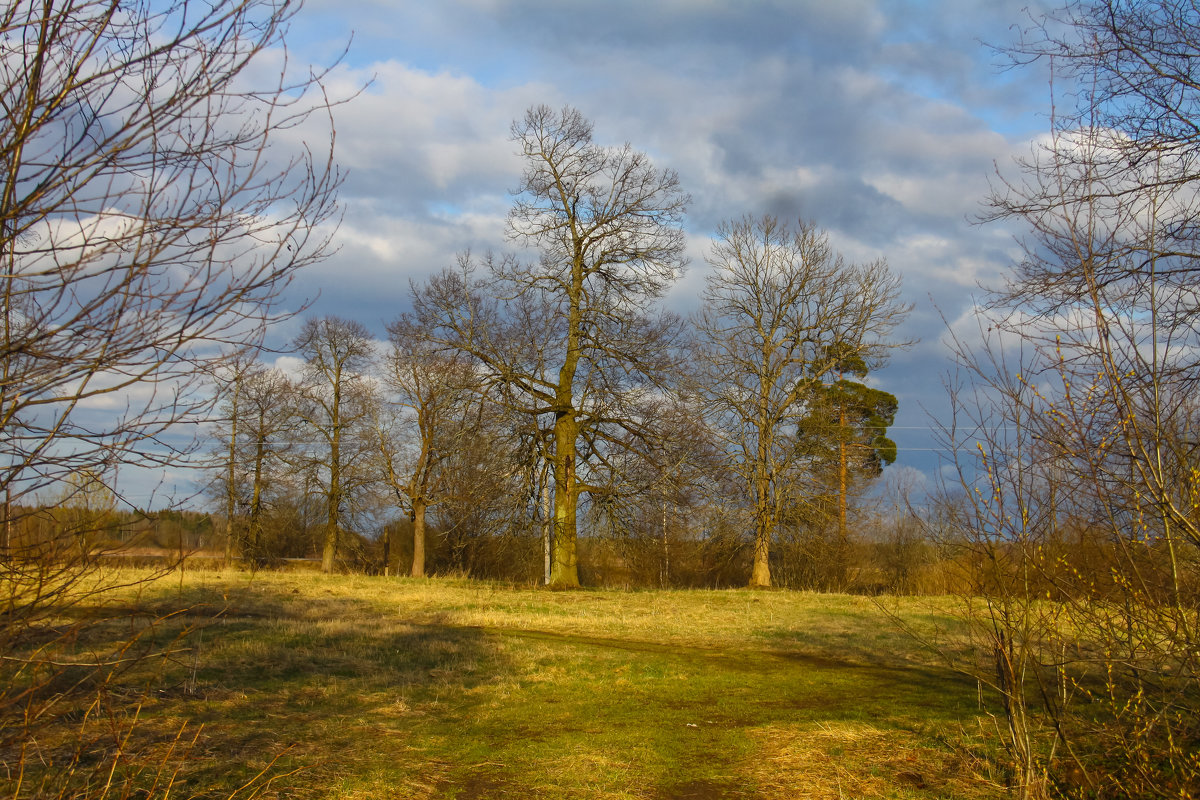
<point x="385" y="687"/>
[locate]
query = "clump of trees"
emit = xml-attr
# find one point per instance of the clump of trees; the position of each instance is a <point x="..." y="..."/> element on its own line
<point x="147" y="232"/>
<point x="532" y="393"/>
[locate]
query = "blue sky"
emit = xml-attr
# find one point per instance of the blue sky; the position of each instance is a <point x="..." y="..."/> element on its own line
<point x="881" y="122"/>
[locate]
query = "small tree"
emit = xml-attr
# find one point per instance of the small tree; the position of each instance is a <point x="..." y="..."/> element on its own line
<point x="657" y="485"/>
<point x="85" y="506"/>
<point x="430" y="393"/>
<point x="337" y="399"/>
<point x="229" y="380"/>
<point x="268" y="427"/>
<point x="845" y="432"/>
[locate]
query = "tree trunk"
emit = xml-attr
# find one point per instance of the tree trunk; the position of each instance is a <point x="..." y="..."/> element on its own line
<point x="418" y="523"/>
<point x="764" y="518"/>
<point x="230" y="490"/>
<point x="843" y="476"/>
<point x="665" y="574"/>
<point x="564" y="570"/>
<point x="842" y="556"/>
<point x="254" y="535"/>
<point x="329" y="553"/>
<point x="760" y="578"/>
<point x="387" y="551"/>
<point x="334" y="505"/>
<point x="548" y="527"/>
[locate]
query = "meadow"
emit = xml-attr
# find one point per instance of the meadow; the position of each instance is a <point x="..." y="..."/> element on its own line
<point x="296" y="685"/>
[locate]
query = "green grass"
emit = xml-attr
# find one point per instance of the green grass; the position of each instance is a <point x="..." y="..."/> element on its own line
<point x="398" y="688"/>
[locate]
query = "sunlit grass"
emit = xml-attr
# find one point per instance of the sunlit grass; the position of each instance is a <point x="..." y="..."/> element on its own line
<point x="384" y="687"/>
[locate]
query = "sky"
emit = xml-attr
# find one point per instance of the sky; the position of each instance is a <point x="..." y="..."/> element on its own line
<point x="882" y="122"/>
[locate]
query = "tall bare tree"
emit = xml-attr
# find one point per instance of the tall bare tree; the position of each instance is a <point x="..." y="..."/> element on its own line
<point x="229" y="380"/>
<point x="268" y="430"/>
<point x="338" y="397"/>
<point x="431" y="390"/>
<point x="781" y="312"/>
<point x="606" y="225"/>
<point x="146" y="222"/>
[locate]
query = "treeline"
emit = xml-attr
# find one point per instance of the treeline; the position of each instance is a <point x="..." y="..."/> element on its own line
<point x="435" y="473"/>
<point x="88" y="532"/>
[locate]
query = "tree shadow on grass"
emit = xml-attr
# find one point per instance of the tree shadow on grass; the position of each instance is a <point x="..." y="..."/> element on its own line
<point x="321" y="684"/>
<point x="651" y="720"/>
<point x="370" y="705"/>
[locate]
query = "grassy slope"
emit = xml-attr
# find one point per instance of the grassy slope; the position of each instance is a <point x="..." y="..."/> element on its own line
<point x="387" y="688"/>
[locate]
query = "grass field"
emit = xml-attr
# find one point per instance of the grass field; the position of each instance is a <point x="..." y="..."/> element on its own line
<point x="378" y="687"/>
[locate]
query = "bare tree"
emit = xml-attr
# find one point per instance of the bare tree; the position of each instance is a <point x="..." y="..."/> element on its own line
<point x="229" y="379"/>
<point x="782" y="312"/>
<point x="257" y="446"/>
<point x="145" y="221"/>
<point x="606" y="224"/>
<point x="268" y="428"/>
<point x="232" y="397"/>
<point x="338" y="398"/>
<point x="995" y="526"/>
<point x="483" y="518"/>
<point x="661" y="483"/>
<point x="431" y="390"/>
